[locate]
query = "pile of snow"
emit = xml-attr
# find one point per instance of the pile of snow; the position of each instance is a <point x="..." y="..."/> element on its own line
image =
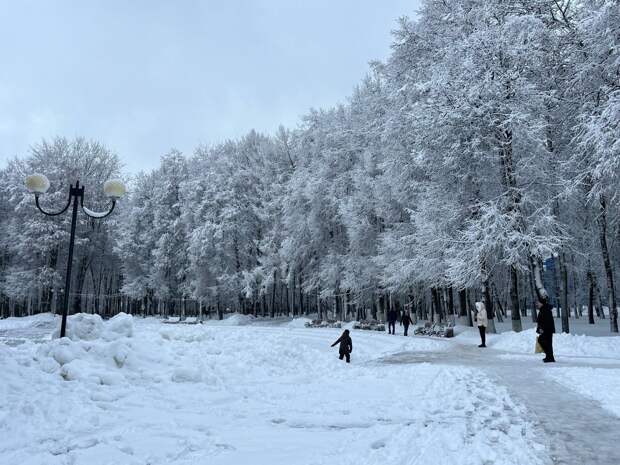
<point x="298" y="322"/>
<point x="120" y="325"/>
<point x="87" y="327"/>
<point x="92" y="351"/>
<point x="82" y="327"/>
<point x="236" y="319"/>
<point x="563" y="344"/>
<point x="41" y="319"/>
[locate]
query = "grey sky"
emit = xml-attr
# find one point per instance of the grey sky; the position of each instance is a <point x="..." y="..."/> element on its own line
<point x="145" y="76"/>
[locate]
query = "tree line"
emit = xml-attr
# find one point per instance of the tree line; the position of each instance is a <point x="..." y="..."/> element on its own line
<point x="479" y="161"/>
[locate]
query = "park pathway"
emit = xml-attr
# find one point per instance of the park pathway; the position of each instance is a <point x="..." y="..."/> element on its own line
<point x="578" y="430"/>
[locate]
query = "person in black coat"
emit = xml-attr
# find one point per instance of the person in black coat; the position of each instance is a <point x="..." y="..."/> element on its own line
<point x="405" y="321"/>
<point x="346" y="345"/>
<point x="392" y="316"/>
<point x="545" y="329"/>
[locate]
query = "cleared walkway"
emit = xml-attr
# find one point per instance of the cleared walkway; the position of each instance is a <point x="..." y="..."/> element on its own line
<point x="578" y="430"/>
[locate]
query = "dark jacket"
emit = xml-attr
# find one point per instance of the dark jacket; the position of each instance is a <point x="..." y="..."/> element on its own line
<point x="546" y="325"/>
<point x="392" y="316"/>
<point x="406" y="320"/>
<point x="346" y="344"/>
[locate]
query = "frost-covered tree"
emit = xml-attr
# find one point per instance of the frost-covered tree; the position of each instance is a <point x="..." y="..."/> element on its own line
<point x="36" y="245"/>
<point x="484" y="146"/>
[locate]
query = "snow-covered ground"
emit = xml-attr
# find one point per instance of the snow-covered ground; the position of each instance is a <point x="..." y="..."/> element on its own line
<point x="596" y="383"/>
<point x="241" y="391"/>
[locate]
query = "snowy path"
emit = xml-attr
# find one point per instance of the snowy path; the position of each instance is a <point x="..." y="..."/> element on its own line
<point x="578" y="430"/>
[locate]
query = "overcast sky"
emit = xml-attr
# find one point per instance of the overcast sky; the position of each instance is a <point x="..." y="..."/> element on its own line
<point x="146" y="76"/>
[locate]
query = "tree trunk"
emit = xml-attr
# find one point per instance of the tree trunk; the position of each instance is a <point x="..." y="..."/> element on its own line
<point x="536" y="265"/>
<point x="338" y="308"/>
<point x="611" y="300"/>
<point x="599" y="308"/>
<point x="591" y="297"/>
<point x="301" y="295"/>
<point x="556" y="281"/>
<point x="514" y="300"/>
<point x="470" y="317"/>
<point x="273" y="295"/>
<point x="288" y="302"/>
<point x="564" y="293"/>
<point x="436" y="305"/>
<point x="462" y="302"/>
<point x="383" y="307"/>
<point x="576" y="305"/>
<point x="79" y="286"/>
<point x="534" y="293"/>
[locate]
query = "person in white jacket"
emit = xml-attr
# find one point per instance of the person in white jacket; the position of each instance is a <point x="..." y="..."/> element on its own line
<point x="482" y="322"/>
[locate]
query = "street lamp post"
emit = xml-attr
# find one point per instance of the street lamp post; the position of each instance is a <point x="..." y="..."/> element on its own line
<point x="38" y="185"/>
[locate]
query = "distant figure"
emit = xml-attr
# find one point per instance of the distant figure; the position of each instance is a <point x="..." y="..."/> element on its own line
<point x="405" y="321"/>
<point x="346" y="345"/>
<point x="392" y="316"/>
<point x="545" y="328"/>
<point x="482" y="322"/>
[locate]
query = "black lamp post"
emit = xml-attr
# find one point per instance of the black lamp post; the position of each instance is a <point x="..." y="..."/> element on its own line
<point x="38" y="185"/>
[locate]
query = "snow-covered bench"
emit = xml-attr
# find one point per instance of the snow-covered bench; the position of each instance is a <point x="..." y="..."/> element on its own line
<point x="369" y="325"/>
<point x="436" y="329"/>
<point x="323" y="324"/>
<point x="175" y="320"/>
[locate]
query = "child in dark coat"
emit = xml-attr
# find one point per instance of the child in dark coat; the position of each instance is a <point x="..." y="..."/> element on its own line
<point x="346" y="345"/>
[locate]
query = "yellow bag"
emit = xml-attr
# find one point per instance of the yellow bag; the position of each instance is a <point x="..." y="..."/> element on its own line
<point x="538" y="349"/>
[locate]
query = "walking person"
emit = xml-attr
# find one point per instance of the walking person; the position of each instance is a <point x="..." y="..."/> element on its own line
<point x="405" y="321"/>
<point x="482" y="322"/>
<point x="392" y="316"/>
<point x="545" y="328"/>
<point x="346" y="346"/>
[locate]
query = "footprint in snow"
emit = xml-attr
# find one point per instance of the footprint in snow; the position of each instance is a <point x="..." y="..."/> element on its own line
<point x="377" y="445"/>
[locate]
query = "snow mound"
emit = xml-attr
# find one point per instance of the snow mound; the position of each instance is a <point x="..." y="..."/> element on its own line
<point x="93" y="350"/>
<point x="42" y="319"/>
<point x="97" y="361"/>
<point x="120" y="325"/>
<point x="298" y="322"/>
<point x="236" y="319"/>
<point x="82" y="327"/>
<point x="87" y="327"/>
<point x="563" y="344"/>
